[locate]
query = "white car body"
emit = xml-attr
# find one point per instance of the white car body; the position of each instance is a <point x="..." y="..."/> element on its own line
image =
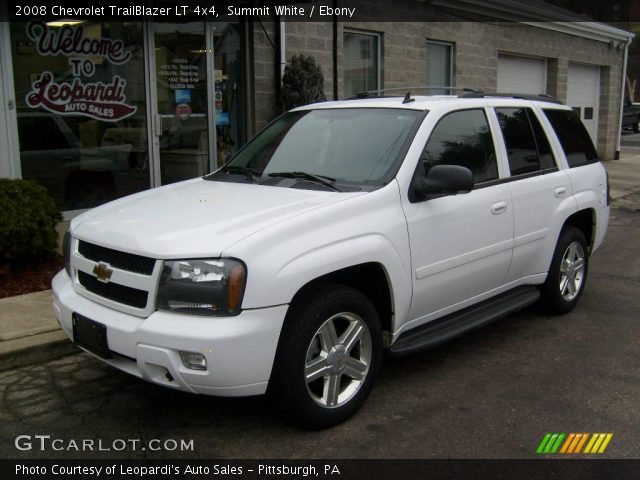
<point x="438" y="256"/>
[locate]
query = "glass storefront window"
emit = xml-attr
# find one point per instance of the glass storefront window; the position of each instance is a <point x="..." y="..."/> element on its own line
<point x="181" y="82"/>
<point x="229" y="89"/>
<point x="81" y="109"/>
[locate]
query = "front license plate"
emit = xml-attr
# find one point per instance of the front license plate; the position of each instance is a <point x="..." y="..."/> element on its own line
<point x="90" y="335"/>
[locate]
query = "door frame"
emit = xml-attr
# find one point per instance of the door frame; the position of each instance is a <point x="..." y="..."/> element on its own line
<point x="153" y="117"/>
<point x="8" y="113"/>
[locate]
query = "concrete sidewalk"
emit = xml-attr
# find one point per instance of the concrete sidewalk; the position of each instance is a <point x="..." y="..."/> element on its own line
<point x="29" y="332"/>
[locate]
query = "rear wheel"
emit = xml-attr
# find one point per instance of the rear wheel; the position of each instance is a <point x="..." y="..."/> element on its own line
<point x="568" y="273"/>
<point x="328" y="356"/>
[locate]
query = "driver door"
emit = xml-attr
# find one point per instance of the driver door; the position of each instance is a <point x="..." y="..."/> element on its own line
<point x="461" y="245"/>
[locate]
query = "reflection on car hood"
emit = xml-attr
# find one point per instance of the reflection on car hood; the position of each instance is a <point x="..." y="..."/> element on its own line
<point x="196" y="218"/>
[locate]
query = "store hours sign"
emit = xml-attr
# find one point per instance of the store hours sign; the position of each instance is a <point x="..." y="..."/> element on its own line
<point x="105" y="101"/>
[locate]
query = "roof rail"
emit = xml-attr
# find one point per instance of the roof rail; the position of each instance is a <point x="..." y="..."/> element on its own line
<point x="541" y="97"/>
<point x="377" y="93"/>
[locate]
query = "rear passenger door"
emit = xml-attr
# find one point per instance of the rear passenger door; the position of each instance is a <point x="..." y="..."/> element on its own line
<point x="460" y="244"/>
<point x="538" y="188"/>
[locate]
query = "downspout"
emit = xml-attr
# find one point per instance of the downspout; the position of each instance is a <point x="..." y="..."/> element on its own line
<point x="624" y="80"/>
<point x="283" y="48"/>
<point x="277" y="63"/>
<point x="335" y="51"/>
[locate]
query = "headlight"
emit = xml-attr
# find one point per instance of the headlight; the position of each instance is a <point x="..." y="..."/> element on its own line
<point x="66" y="252"/>
<point x="202" y="287"/>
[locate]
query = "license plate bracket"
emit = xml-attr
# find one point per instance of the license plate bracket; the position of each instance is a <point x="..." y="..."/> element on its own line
<point x="91" y="335"/>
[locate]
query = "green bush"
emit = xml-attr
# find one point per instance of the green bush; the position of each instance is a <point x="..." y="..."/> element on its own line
<point x="302" y="83"/>
<point x="28" y="217"/>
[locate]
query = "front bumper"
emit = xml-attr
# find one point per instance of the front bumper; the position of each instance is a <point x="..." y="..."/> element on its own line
<point x="239" y="350"/>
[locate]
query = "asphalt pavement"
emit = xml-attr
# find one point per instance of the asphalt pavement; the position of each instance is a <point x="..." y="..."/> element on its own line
<point x="493" y="393"/>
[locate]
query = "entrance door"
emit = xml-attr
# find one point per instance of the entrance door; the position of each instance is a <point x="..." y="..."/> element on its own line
<point x="182" y="137"/>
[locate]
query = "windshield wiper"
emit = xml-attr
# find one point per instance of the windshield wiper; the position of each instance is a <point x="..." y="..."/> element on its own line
<point x="250" y="173"/>
<point x="321" y="179"/>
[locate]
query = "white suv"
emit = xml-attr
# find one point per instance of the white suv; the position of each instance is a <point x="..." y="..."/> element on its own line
<point x="341" y="230"/>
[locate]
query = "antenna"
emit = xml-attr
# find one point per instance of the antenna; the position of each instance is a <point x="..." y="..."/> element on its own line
<point x="408" y="99"/>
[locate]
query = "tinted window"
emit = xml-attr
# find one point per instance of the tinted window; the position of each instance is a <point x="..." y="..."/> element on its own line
<point x="528" y="149"/>
<point x="352" y="145"/>
<point x="462" y="138"/>
<point x="573" y="137"/>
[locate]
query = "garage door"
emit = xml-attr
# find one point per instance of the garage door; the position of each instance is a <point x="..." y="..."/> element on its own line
<point x="583" y="90"/>
<point x="521" y="75"/>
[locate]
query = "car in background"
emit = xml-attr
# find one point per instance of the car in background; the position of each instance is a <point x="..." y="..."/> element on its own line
<point x="631" y="116"/>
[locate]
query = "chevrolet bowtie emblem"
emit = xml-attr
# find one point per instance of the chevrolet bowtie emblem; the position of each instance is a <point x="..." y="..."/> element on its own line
<point x="103" y="272"/>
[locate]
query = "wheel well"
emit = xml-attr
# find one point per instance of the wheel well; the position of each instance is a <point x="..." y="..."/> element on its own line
<point x="368" y="278"/>
<point x="583" y="220"/>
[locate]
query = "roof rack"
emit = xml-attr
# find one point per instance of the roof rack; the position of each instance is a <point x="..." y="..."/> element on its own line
<point x="377" y="93"/>
<point x="541" y="97"/>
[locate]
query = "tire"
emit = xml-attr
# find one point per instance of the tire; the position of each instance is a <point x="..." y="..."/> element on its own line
<point x="568" y="273"/>
<point x="323" y="375"/>
<point x="636" y="126"/>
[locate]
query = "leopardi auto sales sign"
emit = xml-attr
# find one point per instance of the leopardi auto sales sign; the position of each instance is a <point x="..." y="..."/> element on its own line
<point x="105" y="101"/>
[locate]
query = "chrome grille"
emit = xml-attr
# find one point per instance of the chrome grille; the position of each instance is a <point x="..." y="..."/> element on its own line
<point x="132" y="284"/>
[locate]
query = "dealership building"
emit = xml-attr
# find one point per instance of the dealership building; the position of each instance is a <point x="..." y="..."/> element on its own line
<point x="95" y="110"/>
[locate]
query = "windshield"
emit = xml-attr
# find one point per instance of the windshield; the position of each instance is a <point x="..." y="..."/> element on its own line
<point x="350" y="147"/>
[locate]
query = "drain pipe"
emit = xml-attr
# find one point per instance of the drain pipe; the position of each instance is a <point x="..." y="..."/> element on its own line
<point x="624" y="84"/>
<point x="335" y="50"/>
<point x="283" y="47"/>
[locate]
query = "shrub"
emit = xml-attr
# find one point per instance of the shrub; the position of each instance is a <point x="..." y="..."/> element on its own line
<point x="302" y="83"/>
<point x="28" y="217"/>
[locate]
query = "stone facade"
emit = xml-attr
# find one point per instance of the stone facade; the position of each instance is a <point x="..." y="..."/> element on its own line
<point x="476" y="49"/>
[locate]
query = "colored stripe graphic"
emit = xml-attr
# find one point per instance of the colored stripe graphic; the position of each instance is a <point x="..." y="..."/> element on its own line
<point x="573" y="443"/>
<point x="598" y="443"/>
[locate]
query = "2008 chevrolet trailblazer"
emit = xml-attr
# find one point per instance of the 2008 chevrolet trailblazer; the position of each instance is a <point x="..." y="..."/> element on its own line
<point x="343" y="229"/>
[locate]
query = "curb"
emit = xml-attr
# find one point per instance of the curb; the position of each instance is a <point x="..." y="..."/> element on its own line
<point x="35" y="349"/>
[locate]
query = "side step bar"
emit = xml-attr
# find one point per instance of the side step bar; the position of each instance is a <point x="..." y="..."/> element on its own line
<point x="447" y="328"/>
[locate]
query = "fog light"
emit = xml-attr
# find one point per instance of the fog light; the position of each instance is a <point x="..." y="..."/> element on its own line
<point x="193" y="360"/>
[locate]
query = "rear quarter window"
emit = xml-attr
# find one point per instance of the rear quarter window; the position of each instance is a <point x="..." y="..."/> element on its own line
<point x="573" y="136"/>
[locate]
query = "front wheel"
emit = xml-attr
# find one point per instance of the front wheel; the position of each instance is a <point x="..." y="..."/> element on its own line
<point x="568" y="273"/>
<point x="329" y="354"/>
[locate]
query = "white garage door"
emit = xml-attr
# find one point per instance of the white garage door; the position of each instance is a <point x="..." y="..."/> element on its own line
<point x="521" y="75"/>
<point x="583" y="90"/>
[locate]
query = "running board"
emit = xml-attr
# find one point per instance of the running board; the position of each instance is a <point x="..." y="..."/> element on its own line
<point x="447" y="328"/>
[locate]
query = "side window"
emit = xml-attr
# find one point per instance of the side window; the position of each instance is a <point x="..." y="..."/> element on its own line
<point x="462" y="138"/>
<point x="528" y="149"/>
<point x="573" y="137"/>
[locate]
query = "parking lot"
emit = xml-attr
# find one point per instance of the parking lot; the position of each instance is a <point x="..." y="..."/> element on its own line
<point x="491" y="394"/>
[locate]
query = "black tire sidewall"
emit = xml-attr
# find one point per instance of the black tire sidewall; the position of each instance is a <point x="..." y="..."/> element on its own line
<point x="287" y="386"/>
<point x="552" y="300"/>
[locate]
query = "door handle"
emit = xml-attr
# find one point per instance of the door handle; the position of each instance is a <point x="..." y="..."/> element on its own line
<point x="498" y="208"/>
<point x="559" y="192"/>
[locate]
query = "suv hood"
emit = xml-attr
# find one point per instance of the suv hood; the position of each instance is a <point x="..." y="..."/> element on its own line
<point x="196" y="218"/>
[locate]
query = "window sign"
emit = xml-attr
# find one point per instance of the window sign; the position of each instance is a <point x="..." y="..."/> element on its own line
<point x="81" y="109"/>
<point x="102" y="101"/>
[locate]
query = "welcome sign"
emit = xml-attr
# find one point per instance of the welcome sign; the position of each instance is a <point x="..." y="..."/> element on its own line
<point x="102" y="101"/>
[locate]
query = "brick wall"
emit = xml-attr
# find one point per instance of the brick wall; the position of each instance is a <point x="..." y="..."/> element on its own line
<point x="477" y="46"/>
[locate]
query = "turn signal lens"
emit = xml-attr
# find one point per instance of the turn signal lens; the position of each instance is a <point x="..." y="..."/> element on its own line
<point x="236" y="287"/>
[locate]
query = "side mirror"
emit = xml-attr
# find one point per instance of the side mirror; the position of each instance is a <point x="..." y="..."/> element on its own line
<point x="445" y="180"/>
